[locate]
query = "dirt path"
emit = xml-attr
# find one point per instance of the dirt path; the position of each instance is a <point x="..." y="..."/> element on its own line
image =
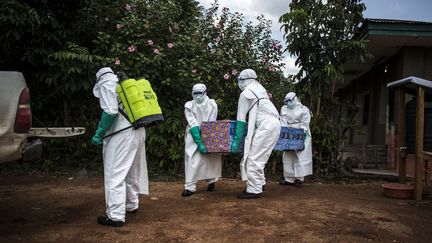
<point x="57" y="209"/>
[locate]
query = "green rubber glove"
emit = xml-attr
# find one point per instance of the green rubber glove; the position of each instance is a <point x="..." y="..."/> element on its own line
<point x="238" y="136"/>
<point x="104" y="125"/>
<point x="196" y="135"/>
<point x="304" y="133"/>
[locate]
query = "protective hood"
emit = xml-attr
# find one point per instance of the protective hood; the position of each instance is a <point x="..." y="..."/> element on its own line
<point x="245" y="78"/>
<point x="104" y="74"/>
<point x="199" y="92"/>
<point x="199" y="88"/>
<point x="291" y="100"/>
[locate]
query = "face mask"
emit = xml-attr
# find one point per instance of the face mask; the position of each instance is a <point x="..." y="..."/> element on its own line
<point x="199" y="99"/>
<point x="290" y="104"/>
<point x="242" y="84"/>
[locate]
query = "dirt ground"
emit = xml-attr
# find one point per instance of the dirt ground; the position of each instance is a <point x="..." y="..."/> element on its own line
<point x="60" y="209"/>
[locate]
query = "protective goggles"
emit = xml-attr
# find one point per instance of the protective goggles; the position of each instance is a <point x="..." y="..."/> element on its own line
<point x="289" y="100"/>
<point x="198" y="92"/>
<point x="243" y="79"/>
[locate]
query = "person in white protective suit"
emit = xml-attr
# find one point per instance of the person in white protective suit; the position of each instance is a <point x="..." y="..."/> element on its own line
<point x="198" y="164"/>
<point x="124" y="157"/>
<point x="262" y="134"/>
<point x="296" y="164"/>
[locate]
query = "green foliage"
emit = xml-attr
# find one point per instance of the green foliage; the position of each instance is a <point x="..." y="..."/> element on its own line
<point x="322" y="37"/>
<point x="175" y="51"/>
<point x="59" y="45"/>
<point x="49" y="41"/>
<point x="68" y="68"/>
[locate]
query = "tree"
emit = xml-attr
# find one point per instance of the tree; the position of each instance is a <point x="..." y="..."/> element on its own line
<point x="321" y="36"/>
<point x="48" y="41"/>
<point x="153" y="40"/>
<point x="59" y="45"/>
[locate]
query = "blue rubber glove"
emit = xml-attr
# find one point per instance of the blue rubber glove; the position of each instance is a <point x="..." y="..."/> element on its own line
<point x="238" y="136"/>
<point x="196" y="135"/>
<point x="104" y="125"/>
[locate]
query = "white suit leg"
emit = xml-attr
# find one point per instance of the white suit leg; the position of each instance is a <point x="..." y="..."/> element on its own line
<point x="298" y="164"/>
<point x="288" y="159"/>
<point x="132" y="200"/>
<point x="119" y="154"/>
<point x="191" y="186"/>
<point x="191" y="151"/>
<point x="212" y="180"/>
<point x="262" y="145"/>
<point x="255" y="180"/>
<point x="304" y="165"/>
<point x="292" y="179"/>
<point x="134" y="183"/>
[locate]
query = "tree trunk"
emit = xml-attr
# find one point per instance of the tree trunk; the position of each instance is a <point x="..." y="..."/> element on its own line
<point x="311" y="104"/>
<point x="333" y="87"/>
<point x="318" y="107"/>
<point x="66" y="113"/>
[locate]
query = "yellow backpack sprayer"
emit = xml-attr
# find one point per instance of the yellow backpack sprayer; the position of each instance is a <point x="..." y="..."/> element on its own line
<point x="139" y="101"/>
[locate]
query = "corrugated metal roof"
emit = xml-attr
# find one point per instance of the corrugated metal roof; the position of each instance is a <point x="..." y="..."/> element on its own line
<point x="410" y="80"/>
<point x="409" y="27"/>
<point x="396" y="21"/>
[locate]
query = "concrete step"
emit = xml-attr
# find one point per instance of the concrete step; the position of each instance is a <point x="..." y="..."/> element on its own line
<point x="389" y="175"/>
<point x="376" y="172"/>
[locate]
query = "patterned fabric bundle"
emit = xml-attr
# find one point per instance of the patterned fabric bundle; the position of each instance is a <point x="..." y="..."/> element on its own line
<point x="290" y="139"/>
<point x="217" y="136"/>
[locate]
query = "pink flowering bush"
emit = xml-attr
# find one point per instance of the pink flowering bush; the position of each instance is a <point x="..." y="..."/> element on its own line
<point x="204" y="52"/>
<point x="128" y="7"/>
<point x="132" y="48"/>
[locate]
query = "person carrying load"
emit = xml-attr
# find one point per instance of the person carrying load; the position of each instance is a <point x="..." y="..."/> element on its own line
<point x="262" y="132"/>
<point x="198" y="164"/>
<point x="296" y="164"/>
